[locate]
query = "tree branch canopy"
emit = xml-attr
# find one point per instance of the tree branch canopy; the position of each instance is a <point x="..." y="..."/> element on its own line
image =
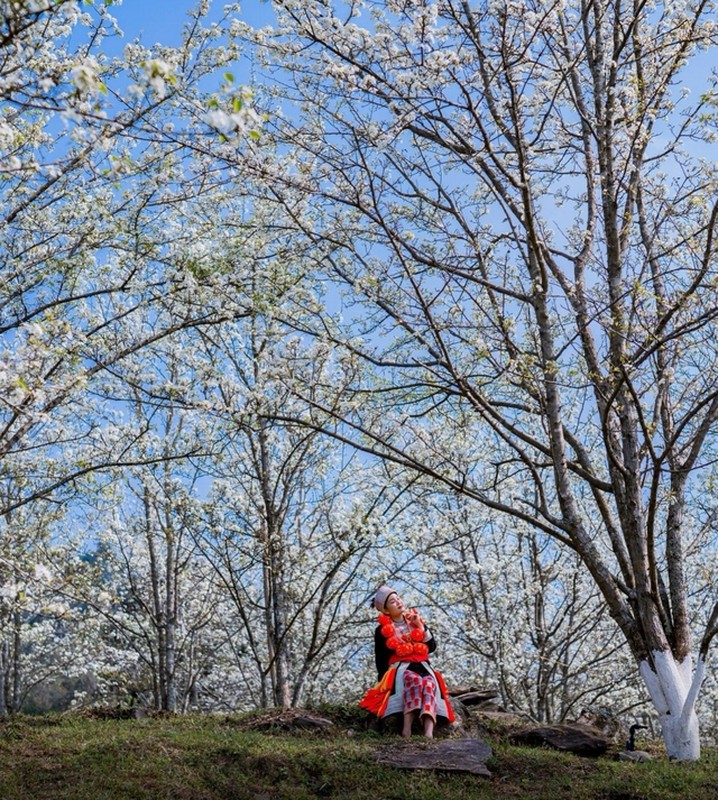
<point x="510" y="200"/>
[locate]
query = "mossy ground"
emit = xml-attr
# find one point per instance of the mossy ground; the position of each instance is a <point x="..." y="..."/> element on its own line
<point x="75" y="757"/>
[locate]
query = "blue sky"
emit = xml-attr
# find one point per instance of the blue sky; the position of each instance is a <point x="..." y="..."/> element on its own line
<point x="162" y="20"/>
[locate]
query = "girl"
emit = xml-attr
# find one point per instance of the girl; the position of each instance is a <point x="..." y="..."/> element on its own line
<point x="407" y="682"/>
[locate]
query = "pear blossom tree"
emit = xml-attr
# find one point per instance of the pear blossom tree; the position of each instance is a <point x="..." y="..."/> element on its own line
<point x="276" y="545"/>
<point x="108" y="203"/>
<point x="294" y="635"/>
<point x="94" y="150"/>
<point x="515" y="201"/>
<point x="156" y="602"/>
<point x="148" y="593"/>
<point x="155" y="599"/>
<point x="161" y="564"/>
<point x="288" y="523"/>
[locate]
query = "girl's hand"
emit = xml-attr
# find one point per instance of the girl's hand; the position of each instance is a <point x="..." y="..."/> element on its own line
<point x="413" y="618"/>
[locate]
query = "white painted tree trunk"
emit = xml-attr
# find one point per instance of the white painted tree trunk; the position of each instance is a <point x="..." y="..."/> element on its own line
<point x="674" y="687"/>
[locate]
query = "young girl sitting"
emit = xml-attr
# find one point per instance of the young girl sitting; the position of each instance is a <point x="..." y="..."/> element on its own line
<point x="407" y="682"/>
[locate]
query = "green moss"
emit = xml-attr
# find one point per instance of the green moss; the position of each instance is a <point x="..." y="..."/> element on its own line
<point x="208" y="758"/>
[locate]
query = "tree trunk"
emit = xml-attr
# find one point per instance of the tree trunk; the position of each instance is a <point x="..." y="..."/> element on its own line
<point x="170" y="618"/>
<point x="283" y="693"/>
<point x="4" y="671"/>
<point x="673" y="687"/>
<point x="17" y="665"/>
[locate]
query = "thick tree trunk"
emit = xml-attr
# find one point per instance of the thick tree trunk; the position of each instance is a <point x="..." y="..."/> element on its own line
<point x="673" y="687"/>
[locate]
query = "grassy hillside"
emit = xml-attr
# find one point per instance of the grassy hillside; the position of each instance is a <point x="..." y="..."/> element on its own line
<point x="208" y="758"/>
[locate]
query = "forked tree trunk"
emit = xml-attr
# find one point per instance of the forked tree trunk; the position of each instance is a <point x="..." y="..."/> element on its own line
<point x="673" y="687"/>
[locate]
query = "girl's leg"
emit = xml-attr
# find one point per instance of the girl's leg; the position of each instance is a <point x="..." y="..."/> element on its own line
<point x="429" y="690"/>
<point x="412" y="700"/>
<point x="408" y="722"/>
<point x="428" y="726"/>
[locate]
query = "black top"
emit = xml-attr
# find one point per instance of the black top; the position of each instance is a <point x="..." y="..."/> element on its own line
<point x="382" y="653"/>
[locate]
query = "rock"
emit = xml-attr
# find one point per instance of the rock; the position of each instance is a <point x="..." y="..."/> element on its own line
<point x="507" y="717"/>
<point x="475" y="697"/>
<point x="456" y="690"/>
<point x="462" y="718"/>
<point x="490" y="705"/>
<point x="604" y="721"/>
<point x="579" y="739"/>
<point x="312" y="723"/>
<point x="449" y="755"/>
<point x="639" y="756"/>
<point x="289" y="720"/>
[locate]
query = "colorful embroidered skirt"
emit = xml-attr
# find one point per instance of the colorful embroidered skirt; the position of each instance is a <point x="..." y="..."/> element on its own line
<point x="389" y="695"/>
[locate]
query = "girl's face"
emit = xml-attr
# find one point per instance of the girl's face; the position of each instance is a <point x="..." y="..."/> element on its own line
<point x="394" y="606"/>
